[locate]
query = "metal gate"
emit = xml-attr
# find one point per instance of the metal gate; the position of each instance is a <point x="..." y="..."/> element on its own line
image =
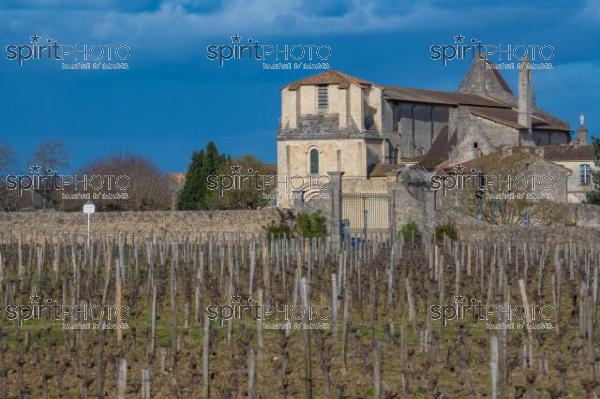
<point x="366" y="212"/>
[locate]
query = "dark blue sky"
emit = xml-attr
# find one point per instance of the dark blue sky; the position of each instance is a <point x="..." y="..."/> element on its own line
<point x="172" y="99"/>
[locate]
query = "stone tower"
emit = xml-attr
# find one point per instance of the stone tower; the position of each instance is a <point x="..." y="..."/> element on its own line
<point x="525" y="97"/>
<point x="582" y="131"/>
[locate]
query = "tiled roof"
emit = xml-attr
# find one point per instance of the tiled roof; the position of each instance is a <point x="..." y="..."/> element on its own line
<point x="490" y="66"/>
<point x="269" y="168"/>
<point x="381" y="169"/>
<point x="438" y="97"/>
<point x="521" y="157"/>
<point x="440" y="149"/>
<point x="417" y="158"/>
<point x="510" y="117"/>
<point x="569" y="153"/>
<point x="487" y="162"/>
<point x="328" y="78"/>
<point x="480" y="105"/>
<point x="178" y="178"/>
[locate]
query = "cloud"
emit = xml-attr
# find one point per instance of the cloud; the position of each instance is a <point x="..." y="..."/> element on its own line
<point x="590" y="11"/>
<point x="170" y="26"/>
<point x="151" y="20"/>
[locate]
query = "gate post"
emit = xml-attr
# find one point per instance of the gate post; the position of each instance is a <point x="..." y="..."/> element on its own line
<point x="392" y="214"/>
<point x="336" y="204"/>
<point x="392" y="183"/>
<point x="298" y="199"/>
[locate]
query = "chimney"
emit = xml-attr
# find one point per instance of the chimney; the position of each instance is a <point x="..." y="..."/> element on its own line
<point x="525" y="93"/>
<point x="582" y="131"/>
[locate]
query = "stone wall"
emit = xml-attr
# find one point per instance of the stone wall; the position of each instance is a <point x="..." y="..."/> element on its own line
<point x="478" y="231"/>
<point x="421" y="123"/>
<point x="584" y="215"/>
<point x="579" y="217"/>
<point x="247" y="221"/>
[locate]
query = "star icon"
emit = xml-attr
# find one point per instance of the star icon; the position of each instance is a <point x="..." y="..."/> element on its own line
<point x="459" y="298"/>
<point x="236" y="298"/>
<point x="35" y="169"/>
<point x="236" y="169"/>
<point x="459" y="169"/>
<point x="459" y="38"/>
<point x="35" y="298"/>
<point x="35" y="38"/>
<point x="235" y="38"/>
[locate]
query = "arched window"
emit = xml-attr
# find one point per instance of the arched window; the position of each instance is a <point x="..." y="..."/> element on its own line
<point x="585" y="174"/>
<point x="314" y="161"/>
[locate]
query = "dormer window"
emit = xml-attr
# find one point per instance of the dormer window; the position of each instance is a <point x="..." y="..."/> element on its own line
<point x="322" y="98"/>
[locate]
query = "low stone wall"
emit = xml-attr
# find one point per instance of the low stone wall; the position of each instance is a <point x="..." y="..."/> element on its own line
<point x="584" y="215"/>
<point x="245" y="221"/>
<point x="471" y="228"/>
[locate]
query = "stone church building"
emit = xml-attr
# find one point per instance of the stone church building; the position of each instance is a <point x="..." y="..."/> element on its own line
<point x="334" y="122"/>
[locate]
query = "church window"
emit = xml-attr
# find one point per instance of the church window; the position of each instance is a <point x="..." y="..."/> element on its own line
<point x="585" y="173"/>
<point x="322" y="98"/>
<point x="314" y="161"/>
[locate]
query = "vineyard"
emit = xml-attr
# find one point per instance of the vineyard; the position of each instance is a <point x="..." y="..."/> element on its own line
<point x="174" y="315"/>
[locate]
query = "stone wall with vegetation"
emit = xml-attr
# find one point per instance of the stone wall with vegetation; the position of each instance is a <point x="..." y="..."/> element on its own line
<point x="247" y="221"/>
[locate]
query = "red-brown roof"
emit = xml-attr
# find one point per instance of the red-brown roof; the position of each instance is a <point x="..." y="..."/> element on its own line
<point x="490" y="65"/>
<point x="438" y="97"/>
<point x="414" y="159"/>
<point x="482" y="106"/>
<point x="509" y="117"/>
<point x="569" y="153"/>
<point x="330" y="77"/>
<point x="177" y="177"/>
<point x="439" y="151"/>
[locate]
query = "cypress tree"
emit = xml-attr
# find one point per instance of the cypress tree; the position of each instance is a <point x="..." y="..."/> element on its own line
<point x="195" y="194"/>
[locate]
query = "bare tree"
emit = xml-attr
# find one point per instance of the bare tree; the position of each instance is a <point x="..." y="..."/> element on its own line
<point x="496" y="202"/>
<point x="129" y="183"/>
<point x="7" y="158"/>
<point x="48" y="157"/>
<point x="9" y="199"/>
<point x="51" y="154"/>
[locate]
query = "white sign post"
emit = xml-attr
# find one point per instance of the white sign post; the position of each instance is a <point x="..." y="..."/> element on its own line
<point x="88" y="209"/>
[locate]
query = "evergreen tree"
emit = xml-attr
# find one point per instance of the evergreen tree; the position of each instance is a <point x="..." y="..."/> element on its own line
<point x="194" y="194"/>
<point x="593" y="197"/>
<point x="251" y="192"/>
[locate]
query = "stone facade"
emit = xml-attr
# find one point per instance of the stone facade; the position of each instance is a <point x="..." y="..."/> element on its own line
<point x="576" y="190"/>
<point x="580" y="160"/>
<point x="354" y="125"/>
<point x="333" y="123"/>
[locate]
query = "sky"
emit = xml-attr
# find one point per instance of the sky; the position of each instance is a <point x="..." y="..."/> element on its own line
<point x="173" y="99"/>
